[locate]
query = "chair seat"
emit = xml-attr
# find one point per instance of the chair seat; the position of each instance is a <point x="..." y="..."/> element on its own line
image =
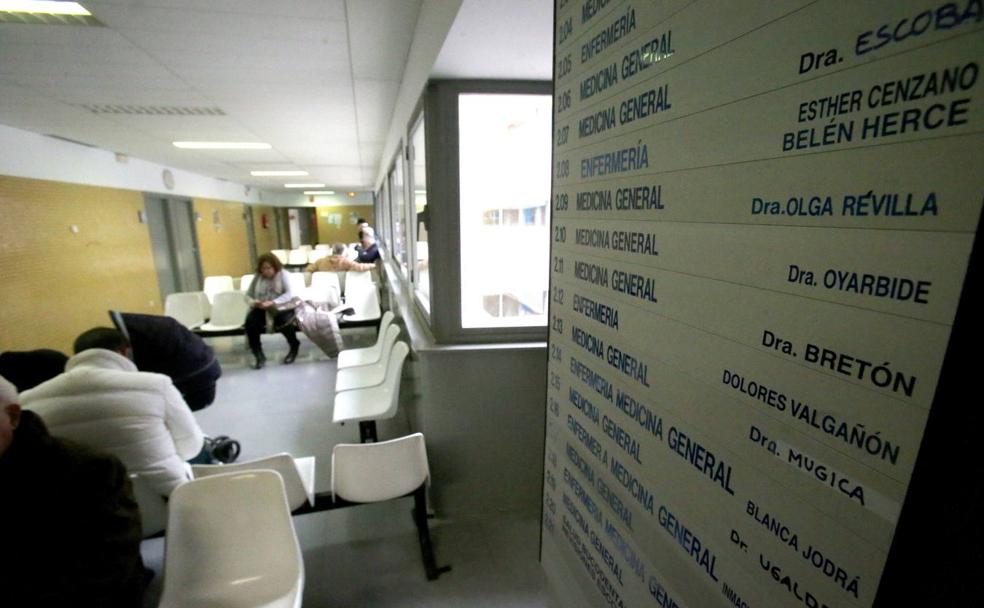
<point x="216" y="327"/>
<point x="363" y="404"/>
<point x="231" y="543"/>
<point x="297" y="474"/>
<point x="363" y="376"/>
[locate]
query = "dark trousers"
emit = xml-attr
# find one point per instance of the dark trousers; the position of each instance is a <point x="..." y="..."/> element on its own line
<point x="256" y="325"/>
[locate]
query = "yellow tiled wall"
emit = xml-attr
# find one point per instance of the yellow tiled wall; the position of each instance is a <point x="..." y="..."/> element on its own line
<point x="58" y="283"/>
<point x="266" y="237"/>
<point x="347" y="232"/>
<point x="222" y="237"/>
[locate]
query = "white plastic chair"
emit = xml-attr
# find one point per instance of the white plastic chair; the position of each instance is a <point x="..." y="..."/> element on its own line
<point x="317" y="254"/>
<point x="281" y="254"/>
<point x="364" y="376"/>
<point x="355" y="357"/>
<point x="304" y="248"/>
<point x="358" y="279"/>
<point x="297" y="473"/>
<point x="153" y="507"/>
<point x="363" y="300"/>
<point x="186" y="308"/>
<point x="297" y="286"/>
<point x="231" y="543"/>
<point x="366" y="405"/>
<point x="325" y="287"/>
<point x="217" y="284"/>
<point x="322" y="247"/>
<point x="246" y="281"/>
<point x="365" y="473"/>
<point x="228" y="312"/>
<point x="297" y="257"/>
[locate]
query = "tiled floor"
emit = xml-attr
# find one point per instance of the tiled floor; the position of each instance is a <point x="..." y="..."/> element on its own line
<point x="366" y="555"/>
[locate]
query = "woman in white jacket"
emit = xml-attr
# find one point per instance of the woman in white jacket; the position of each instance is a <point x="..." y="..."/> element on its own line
<point x="103" y="401"/>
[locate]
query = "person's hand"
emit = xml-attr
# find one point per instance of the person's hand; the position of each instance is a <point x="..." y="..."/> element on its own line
<point x="265" y="304"/>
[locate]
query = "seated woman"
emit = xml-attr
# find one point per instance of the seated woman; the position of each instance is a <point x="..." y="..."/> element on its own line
<point x="270" y="289"/>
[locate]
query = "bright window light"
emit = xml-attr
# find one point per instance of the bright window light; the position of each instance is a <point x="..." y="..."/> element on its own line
<point x="43" y="7"/>
<point x="319" y="192"/>
<point x="304" y="185"/>
<point x="278" y="173"/>
<point x="221" y="145"/>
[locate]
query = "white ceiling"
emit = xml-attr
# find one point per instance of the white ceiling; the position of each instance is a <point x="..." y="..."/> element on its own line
<point x="317" y="79"/>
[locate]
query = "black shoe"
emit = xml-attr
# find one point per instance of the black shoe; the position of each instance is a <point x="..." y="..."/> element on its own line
<point x="292" y="354"/>
<point x="260" y="359"/>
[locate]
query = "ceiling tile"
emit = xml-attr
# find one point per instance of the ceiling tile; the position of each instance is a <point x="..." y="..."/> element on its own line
<point x="380" y="33"/>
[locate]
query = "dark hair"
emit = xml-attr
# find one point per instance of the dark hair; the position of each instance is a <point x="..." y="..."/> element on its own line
<point x="361" y="220"/>
<point x="27" y="369"/>
<point x="101" y="337"/>
<point x="338" y="249"/>
<point x="269" y="258"/>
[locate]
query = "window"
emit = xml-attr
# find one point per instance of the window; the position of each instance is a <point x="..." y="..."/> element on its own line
<point x="418" y="186"/>
<point x="504" y="180"/>
<point x="399" y="210"/>
<point x="469" y="211"/>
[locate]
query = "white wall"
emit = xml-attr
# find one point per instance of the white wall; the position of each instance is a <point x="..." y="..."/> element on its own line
<point x="41" y="157"/>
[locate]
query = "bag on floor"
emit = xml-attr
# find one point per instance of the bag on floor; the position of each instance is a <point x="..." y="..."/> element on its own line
<point x="320" y="325"/>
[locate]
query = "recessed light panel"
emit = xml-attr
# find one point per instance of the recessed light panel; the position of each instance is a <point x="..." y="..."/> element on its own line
<point x="278" y="173"/>
<point x="304" y="185"/>
<point x="221" y="145"/>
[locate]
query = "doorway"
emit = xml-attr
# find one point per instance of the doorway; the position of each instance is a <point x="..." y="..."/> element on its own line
<point x="174" y="243"/>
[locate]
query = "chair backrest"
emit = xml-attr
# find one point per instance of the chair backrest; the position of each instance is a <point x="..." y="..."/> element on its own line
<point x="296" y="280"/>
<point x="153" y="506"/>
<point x="281" y="255"/>
<point x="394" y="372"/>
<point x="392" y="333"/>
<point x="305" y="248"/>
<point x="283" y="463"/>
<point x="297" y="256"/>
<point x="322" y="247"/>
<point x="364" y="300"/>
<point x="386" y="327"/>
<point x="186" y="308"/>
<point x="316" y="254"/>
<point x="231" y="542"/>
<point x="229" y="308"/>
<point x="324" y="287"/>
<point x="216" y="284"/>
<point x="245" y="282"/>
<point x="373" y="472"/>
<point x="357" y="279"/>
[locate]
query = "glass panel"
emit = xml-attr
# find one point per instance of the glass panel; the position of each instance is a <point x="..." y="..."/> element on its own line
<point x="504" y="164"/>
<point x="418" y="176"/>
<point x="399" y="210"/>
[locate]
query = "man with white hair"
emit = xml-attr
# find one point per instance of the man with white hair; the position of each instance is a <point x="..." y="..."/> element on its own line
<point x="367" y="249"/>
<point x="71" y="527"/>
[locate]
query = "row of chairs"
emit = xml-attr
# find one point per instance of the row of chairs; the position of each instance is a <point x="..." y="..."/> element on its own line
<point x="226" y="309"/>
<point x="367" y="384"/>
<point x="254" y="558"/>
<point x="306" y="255"/>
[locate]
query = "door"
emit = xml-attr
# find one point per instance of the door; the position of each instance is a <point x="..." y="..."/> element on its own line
<point x="174" y="243"/>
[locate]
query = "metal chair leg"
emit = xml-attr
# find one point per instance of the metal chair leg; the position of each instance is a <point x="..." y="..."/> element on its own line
<point x="423" y="533"/>
<point x="367" y="431"/>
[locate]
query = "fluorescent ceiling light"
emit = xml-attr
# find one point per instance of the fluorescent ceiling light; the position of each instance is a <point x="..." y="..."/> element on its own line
<point x="319" y="192"/>
<point x="304" y="185"/>
<point x="278" y="173"/>
<point x="40" y="7"/>
<point x="221" y="145"/>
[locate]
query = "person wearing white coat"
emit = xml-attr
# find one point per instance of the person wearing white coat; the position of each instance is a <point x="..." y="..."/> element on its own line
<point x="102" y="401"/>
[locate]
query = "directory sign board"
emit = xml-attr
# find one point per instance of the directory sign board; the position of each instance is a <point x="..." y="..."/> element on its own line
<point x="763" y="214"/>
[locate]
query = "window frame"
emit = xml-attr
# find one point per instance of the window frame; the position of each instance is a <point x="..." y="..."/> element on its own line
<point x="440" y="104"/>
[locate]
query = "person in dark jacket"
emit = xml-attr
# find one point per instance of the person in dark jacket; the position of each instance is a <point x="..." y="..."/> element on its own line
<point x="27" y="369"/>
<point x="368" y="251"/>
<point x="71" y="527"/>
<point x="162" y="345"/>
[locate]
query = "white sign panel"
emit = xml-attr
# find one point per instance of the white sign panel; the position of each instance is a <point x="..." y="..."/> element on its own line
<point x="763" y="216"/>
